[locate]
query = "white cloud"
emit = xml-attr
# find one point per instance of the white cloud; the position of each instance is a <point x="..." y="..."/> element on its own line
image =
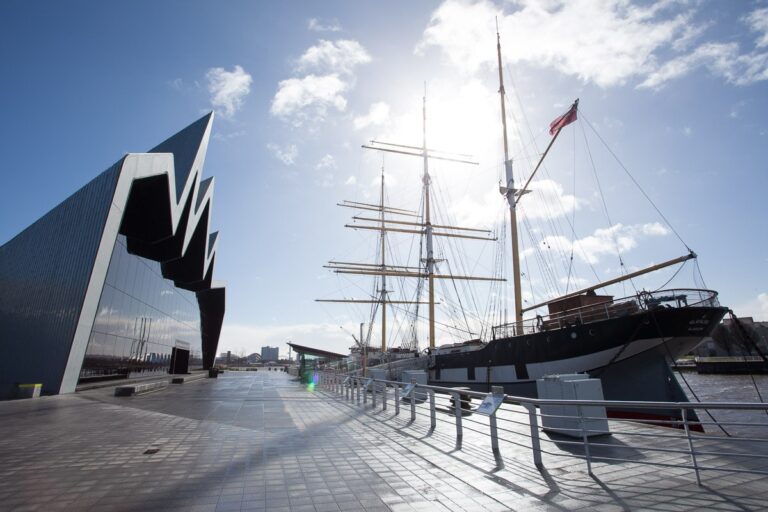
<point x="718" y="57"/>
<point x="722" y="59"/>
<point x="756" y="308"/>
<point x="323" y="26"/>
<point x="757" y="21"/>
<point x="331" y="66"/>
<point x="351" y="181"/>
<point x="340" y="56"/>
<point x="378" y="113"/>
<point x="547" y="200"/>
<point x="228" y="89"/>
<point x="309" y="98"/>
<point x="326" y="162"/>
<point x="604" y="241"/>
<point x="605" y="42"/>
<point x="286" y="154"/>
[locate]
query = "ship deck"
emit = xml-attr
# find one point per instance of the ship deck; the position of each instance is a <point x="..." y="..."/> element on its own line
<point x="261" y="441"/>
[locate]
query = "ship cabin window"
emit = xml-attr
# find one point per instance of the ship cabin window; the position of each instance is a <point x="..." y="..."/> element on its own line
<point x="437" y="373"/>
<point x="471" y="373"/>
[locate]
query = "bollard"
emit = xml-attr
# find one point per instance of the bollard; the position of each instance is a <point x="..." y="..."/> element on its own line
<point x="397" y="399"/>
<point x="413" y="402"/>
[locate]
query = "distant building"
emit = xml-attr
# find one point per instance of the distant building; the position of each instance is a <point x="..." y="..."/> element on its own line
<point x="728" y="339"/>
<point x="253" y="358"/>
<point x="270" y="354"/>
<point x="117" y="279"/>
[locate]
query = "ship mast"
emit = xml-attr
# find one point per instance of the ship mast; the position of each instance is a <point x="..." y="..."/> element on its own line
<point x="427" y="268"/>
<point x="513" y="196"/>
<point x="509" y="192"/>
<point x="383" y="290"/>
<point x="430" y="263"/>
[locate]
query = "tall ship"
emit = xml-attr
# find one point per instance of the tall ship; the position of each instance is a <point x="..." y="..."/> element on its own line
<point x="627" y="342"/>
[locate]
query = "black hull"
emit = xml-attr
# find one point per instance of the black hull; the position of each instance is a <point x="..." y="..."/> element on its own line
<point x="630" y="355"/>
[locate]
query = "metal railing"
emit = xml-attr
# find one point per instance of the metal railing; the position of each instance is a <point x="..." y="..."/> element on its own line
<point x="614" y="308"/>
<point x="503" y="420"/>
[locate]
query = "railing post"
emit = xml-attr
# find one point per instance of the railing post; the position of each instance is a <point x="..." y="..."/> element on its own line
<point x="365" y="396"/>
<point x="413" y="402"/>
<point x="459" y="429"/>
<point x="535" y="443"/>
<point x="397" y="399"/>
<point x="357" y="389"/>
<point x="347" y="388"/>
<point x="585" y="440"/>
<point x="432" y="411"/>
<point x="374" y="385"/>
<point x="690" y="446"/>
<point x="496" y="390"/>
<point x="384" y="397"/>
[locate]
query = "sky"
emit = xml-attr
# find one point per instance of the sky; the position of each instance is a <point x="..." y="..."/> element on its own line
<point x="678" y="91"/>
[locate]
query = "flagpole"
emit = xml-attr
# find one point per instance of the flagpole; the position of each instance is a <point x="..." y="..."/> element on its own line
<point x="572" y="110"/>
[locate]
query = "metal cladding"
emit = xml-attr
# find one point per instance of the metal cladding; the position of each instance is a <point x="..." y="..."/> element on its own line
<point x="52" y="274"/>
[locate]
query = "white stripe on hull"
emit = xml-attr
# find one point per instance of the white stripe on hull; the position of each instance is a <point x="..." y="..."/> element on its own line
<point x="506" y="373"/>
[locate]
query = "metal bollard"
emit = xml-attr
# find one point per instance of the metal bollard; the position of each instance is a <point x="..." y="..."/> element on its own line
<point x="413" y="403"/>
<point x="459" y="429"/>
<point x="397" y="399"/>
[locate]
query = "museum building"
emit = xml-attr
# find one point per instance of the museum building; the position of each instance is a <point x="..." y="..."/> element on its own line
<point x="117" y="280"/>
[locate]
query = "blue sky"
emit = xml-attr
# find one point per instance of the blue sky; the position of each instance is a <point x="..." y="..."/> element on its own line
<point x="676" y="89"/>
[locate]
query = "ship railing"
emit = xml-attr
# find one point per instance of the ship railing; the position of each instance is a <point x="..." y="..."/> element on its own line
<point x="614" y="308"/>
<point x="731" y="439"/>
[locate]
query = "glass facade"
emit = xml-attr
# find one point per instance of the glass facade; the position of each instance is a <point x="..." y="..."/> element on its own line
<point x="140" y="319"/>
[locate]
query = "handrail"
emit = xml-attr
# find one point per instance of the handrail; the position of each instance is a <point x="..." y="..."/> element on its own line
<point x="680" y="441"/>
<point x="612" y="308"/>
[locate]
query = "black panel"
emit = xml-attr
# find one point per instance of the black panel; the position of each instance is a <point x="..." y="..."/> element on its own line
<point x="147" y="215"/>
<point x="211" y="317"/>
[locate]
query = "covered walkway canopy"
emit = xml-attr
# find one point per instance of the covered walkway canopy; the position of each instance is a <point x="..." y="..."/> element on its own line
<point x="311" y="359"/>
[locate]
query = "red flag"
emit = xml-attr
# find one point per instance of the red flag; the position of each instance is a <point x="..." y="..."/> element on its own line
<point x="564" y="119"/>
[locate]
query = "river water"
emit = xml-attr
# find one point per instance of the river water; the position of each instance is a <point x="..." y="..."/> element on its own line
<point x="730" y="388"/>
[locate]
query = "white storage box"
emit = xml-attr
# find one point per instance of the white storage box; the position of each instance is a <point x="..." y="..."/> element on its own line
<point x="566" y="419"/>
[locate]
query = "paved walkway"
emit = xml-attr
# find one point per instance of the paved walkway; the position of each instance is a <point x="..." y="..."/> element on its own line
<point x="259" y="441"/>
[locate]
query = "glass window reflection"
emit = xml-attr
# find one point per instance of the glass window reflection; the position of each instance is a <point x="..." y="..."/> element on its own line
<point x="139" y="318"/>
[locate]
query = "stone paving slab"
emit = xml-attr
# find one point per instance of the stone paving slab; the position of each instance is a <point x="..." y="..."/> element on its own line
<point x="259" y="441"/>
